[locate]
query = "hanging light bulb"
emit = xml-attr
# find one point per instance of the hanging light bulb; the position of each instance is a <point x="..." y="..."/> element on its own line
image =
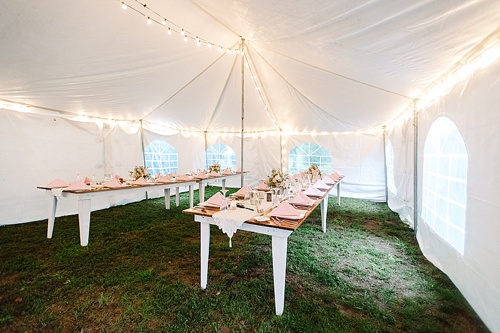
<point x="209" y="45"/>
<point x="197" y="41"/>
<point x="169" y="31"/>
<point x="182" y="32"/>
<point x="124" y="6"/>
<point x="149" y="20"/>
<point x="185" y="38"/>
<point x="164" y="22"/>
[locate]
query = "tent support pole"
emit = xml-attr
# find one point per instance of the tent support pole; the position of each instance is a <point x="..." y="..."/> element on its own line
<point x="206" y="147"/>
<point x="415" y="168"/>
<point x="384" y="137"/>
<point x="242" y="108"/>
<point x="142" y="150"/>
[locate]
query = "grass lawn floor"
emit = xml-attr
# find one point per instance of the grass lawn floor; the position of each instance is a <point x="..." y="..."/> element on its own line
<point x="141" y="273"/>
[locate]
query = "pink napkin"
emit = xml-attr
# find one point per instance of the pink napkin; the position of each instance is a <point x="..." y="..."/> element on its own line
<point x="78" y="185"/>
<point x="301" y="199"/>
<point x="336" y="176"/>
<point x="262" y="186"/>
<point x="285" y="210"/>
<point x="227" y="171"/>
<point x="164" y="179"/>
<point x="215" y="200"/>
<point x="313" y="191"/>
<point x="328" y="180"/>
<point x="214" y="174"/>
<point x="201" y="175"/>
<point x="140" y="181"/>
<point x="297" y="176"/>
<point x="87" y="180"/>
<point x="241" y="192"/>
<point x="320" y="185"/>
<point x="115" y="183"/>
<point x="238" y="170"/>
<point x="57" y="183"/>
<point x="183" y="177"/>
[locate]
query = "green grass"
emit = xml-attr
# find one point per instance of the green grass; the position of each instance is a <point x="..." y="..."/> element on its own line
<point x="141" y="271"/>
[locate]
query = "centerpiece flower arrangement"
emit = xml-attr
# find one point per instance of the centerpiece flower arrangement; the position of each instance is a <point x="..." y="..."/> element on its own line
<point x="214" y="167"/>
<point x="276" y="179"/>
<point x="314" y="170"/>
<point x="138" y="172"/>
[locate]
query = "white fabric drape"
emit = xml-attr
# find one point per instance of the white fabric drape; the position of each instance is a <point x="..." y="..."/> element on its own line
<point x="473" y="106"/>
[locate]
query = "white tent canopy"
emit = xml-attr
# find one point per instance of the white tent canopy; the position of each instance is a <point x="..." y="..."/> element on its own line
<point x="84" y="85"/>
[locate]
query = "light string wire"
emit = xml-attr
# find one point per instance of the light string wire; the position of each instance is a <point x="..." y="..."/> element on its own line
<point x="153" y="16"/>
<point x="263" y="97"/>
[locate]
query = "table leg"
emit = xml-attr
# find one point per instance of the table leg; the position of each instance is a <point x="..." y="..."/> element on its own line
<point x="338" y="193"/>
<point x="177" y="196"/>
<point x="84" y="220"/>
<point x="167" y="198"/>
<point x="324" y="210"/>
<point x="52" y="216"/>
<point x="204" y="250"/>
<point x="191" y="196"/>
<point x="201" y="191"/>
<point x="279" y="245"/>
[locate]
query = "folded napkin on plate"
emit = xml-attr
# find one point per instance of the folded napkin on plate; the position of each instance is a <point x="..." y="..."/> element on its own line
<point x="238" y="170"/>
<point x="57" y="183"/>
<point x="215" y="200"/>
<point x="114" y="183"/>
<point x="262" y="186"/>
<point x="201" y="175"/>
<point x="301" y="199"/>
<point x="164" y="179"/>
<point x="336" y="176"/>
<point x="328" y="180"/>
<point x="241" y="192"/>
<point x="140" y="181"/>
<point x="87" y="180"/>
<point x="320" y="185"/>
<point x="226" y="172"/>
<point x="78" y="185"/>
<point x="183" y="177"/>
<point x="285" y="210"/>
<point x="214" y="174"/>
<point x="313" y="191"/>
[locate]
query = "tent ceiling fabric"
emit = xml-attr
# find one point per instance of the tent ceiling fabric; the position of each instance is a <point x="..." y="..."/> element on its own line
<point x="323" y="65"/>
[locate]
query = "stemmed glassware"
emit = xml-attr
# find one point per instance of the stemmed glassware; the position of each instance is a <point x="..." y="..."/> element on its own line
<point x="225" y="201"/>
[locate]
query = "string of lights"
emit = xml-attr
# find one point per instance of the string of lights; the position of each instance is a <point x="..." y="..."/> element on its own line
<point x="171" y="28"/>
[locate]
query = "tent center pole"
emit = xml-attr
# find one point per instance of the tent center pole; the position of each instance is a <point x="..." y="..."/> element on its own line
<point x="242" y="108"/>
<point x="415" y="168"/>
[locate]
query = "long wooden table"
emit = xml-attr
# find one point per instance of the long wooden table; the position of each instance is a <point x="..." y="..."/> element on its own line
<point x="84" y="198"/>
<point x="202" y="182"/>
<point x="278" y="232"/>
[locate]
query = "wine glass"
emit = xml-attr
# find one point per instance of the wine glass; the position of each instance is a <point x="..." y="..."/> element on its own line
<point x="224" y="203"/>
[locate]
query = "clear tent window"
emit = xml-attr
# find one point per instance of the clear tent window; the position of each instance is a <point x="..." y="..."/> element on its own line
<point x="161" y="157"/>
<point x="444" y="196"/>
<point x="222" y="154"/>
<point x="303" y="155"/>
